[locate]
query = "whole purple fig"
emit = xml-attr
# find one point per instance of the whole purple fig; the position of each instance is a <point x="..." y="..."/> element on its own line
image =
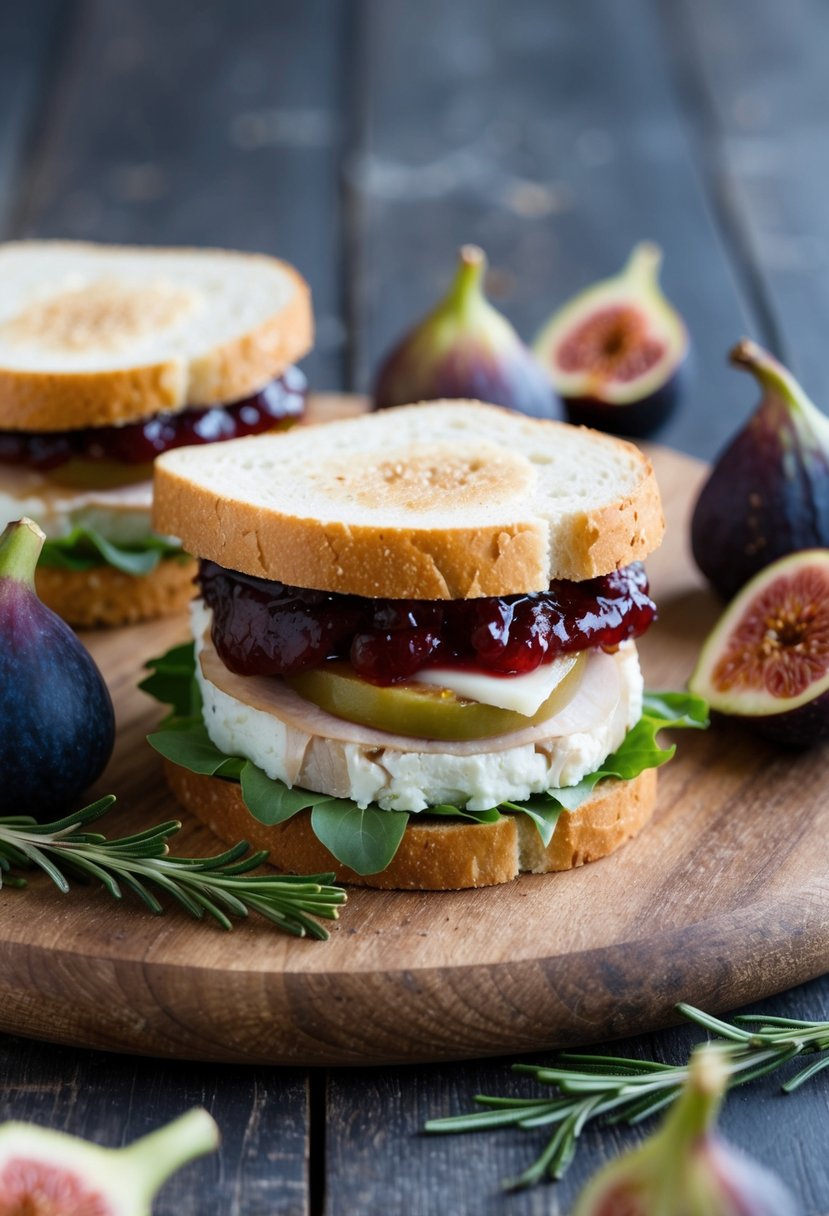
<point x="463" y="349"/>
<point x="768" y="493"/>
<point x="57" y="726"/>
<point x="685" y="1168"/>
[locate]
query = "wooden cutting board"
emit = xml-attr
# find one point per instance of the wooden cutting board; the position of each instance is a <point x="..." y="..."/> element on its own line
<point x="723" y="899"/>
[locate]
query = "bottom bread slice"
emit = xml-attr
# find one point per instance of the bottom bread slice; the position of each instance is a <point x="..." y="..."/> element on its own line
<point x="434" y="854"/>
<point x="106" y="596"/>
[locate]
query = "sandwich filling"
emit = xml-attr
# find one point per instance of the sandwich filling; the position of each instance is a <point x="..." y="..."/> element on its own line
<point x="90" y="489"/>
<point x="410" y="705"/>
<point x="297" y="742"/>
<point x="269" y="628"/>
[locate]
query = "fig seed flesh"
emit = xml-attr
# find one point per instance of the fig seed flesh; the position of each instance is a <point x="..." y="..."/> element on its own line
<point x="29" y="1187"/>
<point x="613" y="344"/>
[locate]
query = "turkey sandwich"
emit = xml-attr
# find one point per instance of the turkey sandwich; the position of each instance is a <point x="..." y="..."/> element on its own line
<point x="415" y="657"/>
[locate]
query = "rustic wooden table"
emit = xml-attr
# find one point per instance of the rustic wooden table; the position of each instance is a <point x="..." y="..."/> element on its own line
<point x="364" y="142"/>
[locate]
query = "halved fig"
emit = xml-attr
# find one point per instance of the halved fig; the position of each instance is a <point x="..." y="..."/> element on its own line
<point x="48" y="1173"/>
<point x="767" y="658"/>
<point x="614" y="351"/>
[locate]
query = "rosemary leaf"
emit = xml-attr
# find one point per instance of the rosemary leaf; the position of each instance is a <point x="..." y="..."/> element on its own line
<point x="219" y="887"/>
<point x="619" y="1090"/>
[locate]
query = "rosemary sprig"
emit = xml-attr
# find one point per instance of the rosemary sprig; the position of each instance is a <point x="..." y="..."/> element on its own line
<point x="220" y="886"/>
<point x="626" y="1090"/>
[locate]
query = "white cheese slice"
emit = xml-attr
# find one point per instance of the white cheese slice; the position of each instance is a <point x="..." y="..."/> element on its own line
<point x="523" y="694"/>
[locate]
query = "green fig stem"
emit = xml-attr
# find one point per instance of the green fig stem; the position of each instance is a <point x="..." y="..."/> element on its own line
<point x="697" y="1107"/>
<point x="468" y="285"/>
<point x="644" y="264"/>
<point x="153" y="1158"/>
<point x="20" y="546"/>
<point x="773" y="376"/>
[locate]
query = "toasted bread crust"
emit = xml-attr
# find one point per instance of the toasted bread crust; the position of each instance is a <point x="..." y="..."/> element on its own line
<point x="403" y="559"/>
<point x="40" y="400"/>
<point x="106" y="596"/>
<point x="434" y="855"/>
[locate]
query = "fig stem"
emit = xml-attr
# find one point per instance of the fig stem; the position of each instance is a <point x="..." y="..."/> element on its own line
<point x="20" y="546"/>
<point x="771" y="375"/>
<point x="467" y="287"/>
<point x="644" y="263"/>
<point x="698" y="1104"/>
<point x="155" y="1157"/>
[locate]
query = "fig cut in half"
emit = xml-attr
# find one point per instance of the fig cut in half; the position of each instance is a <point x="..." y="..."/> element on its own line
<point x="767" y="658"/>
<point x="48" y="1173"/>
<point x="614" y="351"/>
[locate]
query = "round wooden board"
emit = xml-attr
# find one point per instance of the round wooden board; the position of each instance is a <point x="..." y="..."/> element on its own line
<point x="723" y="899"/>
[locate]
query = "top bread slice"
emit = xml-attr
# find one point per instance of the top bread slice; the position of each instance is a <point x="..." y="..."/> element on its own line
<point x="443" y="500"/>
<point x="95" y="335"/>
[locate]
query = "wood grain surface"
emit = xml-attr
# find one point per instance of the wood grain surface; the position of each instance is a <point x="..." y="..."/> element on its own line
<point x="723" y="899"/>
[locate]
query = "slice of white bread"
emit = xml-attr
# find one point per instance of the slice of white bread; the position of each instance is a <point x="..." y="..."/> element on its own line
<point x="434" y="854"/>
<point x="444" y="500"/>
<point x="92" y="335"/>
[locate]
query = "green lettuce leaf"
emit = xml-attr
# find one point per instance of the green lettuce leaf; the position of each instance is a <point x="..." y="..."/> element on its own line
<point x="84" y="549"/>
<point x="363" y="838"/>
<point x="272" y="801"/>
<point x="171" y="681"/>
<point x="492" y="815"/>
<point x="366" y="839"/>
<point x="640" y="749"/>
<point x="543" y="809"/>
<point x="190" y="746"/>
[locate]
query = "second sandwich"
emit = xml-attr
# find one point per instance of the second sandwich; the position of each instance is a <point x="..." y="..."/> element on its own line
<point x="109" y="356"/>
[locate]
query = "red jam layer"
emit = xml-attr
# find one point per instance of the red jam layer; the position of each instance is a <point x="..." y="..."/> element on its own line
<point x="268" y="628"/>
<point x="141" y="442"/>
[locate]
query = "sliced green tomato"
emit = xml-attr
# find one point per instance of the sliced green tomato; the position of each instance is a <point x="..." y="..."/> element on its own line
<point x="421" y="710"/>
<point x="82" y="474"/>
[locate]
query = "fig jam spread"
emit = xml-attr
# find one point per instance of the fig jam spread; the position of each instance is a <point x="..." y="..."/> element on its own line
<point x="268" y="628"/>
<point x="141" y="442"/>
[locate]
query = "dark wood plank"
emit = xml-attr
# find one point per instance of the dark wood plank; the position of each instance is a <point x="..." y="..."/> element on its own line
<point x="380" y="1164"/>
<point x="203" y="124"/>
<point x="30" y="58"/>
<point x="261" y="1166"/>
<point x="554" y="140"/>
<point x="761" y="96"/>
